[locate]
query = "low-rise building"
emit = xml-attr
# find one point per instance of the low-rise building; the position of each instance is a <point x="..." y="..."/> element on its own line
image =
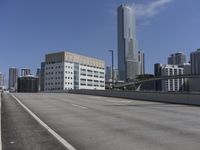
<point x="28" y="84"/>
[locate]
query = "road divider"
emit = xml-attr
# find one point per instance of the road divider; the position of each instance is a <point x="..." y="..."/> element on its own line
<point x="163" y="97"/>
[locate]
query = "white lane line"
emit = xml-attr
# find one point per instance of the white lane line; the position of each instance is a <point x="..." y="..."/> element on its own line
<point x="79" y="106"/>
<point x="117" y="101"/>
<point x="97" y="97"/>
<point x="57" y="136"/>
<point x="0" y="124"/>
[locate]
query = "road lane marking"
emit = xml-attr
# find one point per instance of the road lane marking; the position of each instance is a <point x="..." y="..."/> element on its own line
<point x="118" y="101"/>
<point x="97" y="97"/>
<point x="80" y="106"/>
<point x="56" y="135"/>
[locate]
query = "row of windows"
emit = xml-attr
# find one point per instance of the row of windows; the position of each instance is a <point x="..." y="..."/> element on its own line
<point x="90" y="75"/>
<point x="59" y="83"/>
<point x="51" y="73"/>
<point x="96" y="85"/>
<point x="90" y="71"/>
<point x="56" y="67"/>
<point x="52" y="89"/>
<point x="56" y="83"/>
<point x="91" y="66"/>
<point x="57" y="78"/>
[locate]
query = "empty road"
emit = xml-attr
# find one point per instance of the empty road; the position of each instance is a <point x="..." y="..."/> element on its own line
<point x="104" y="123"/>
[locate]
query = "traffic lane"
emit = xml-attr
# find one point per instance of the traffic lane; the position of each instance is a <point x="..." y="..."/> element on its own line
<point x="21" y="132"/>
<point x="146" y="109"/>
<point x="104" y="126"/>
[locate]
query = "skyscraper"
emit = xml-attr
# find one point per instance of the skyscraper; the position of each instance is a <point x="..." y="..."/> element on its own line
<point x="177" y="59"/>
<point x="195" y="70"/>
<point x="128" y="64"/>
<point x="42" y="76"/>
<point x="195" y="62"/>
<point x="141" y="58"/>
<point x="13" y="75"/>
<point x="1" y="79"/>
<point x="25" y="72"/>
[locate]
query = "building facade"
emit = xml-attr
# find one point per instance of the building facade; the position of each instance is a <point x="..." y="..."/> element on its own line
<point x="141" y="59"/>
<point x="177" y="59"/>
<point x="128" y="65"/>
<point x="195" y="70"/>
<point x="108" y="77"/>
<point x="169" y="84"/>
<point x="1" y="79"/>
<point x="2" y="82"/>
<point x="28" y="84"/>
<point x="13" y="75"/>
<point x="195" y="62"/>
<point x="66" y="71"/>
<point x="25" y="72"/>
<point x="42" y="76"/>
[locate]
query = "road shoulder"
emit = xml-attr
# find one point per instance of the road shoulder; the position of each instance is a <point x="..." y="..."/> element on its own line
<point x="20" y="131"/>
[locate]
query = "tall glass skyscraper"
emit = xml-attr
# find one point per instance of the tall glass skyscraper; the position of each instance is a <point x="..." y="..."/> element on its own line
<point x="128" y="64"/>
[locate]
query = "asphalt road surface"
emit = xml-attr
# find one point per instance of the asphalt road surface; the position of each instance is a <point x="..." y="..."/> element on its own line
<point x="104" y="123"/>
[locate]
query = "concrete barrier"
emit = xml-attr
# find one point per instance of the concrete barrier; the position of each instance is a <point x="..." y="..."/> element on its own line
<point x="177" y="98"/>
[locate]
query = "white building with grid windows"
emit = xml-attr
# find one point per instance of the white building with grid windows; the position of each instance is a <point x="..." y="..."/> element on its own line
<point x="172" y="84"/>
<point x="66" y="71"/>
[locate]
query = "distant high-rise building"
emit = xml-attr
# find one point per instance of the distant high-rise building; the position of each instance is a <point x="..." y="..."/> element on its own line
<point x="141" y="59"/>
<point x="38" y="74"/>
<point x="195" y="70"/>
<point x="195" y="62"/>
<point x="157" y="73"/>
<point x="170" y="84"/>
<point x="13" y="75"/>
<point x="25" y="72"/>
<point x="1" y="79"/>
<point x="116" y="74"/>
<point x="177" y="59"/>
<point x="108" y="73"/>
<point x="128" y="65"/>
<point x="108" y="76"/>
<point x="38" y="71"/>
<point x="42" y="76"/>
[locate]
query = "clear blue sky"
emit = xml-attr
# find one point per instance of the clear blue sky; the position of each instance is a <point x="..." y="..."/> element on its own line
<point x="31" y="28"/>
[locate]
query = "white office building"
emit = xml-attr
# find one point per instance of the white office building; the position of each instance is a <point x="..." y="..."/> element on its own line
<point x="66" y="71"/>
<point x="171" y="84"/>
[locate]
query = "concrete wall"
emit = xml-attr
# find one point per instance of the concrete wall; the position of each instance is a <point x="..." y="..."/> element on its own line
<point x="178" y="98"/>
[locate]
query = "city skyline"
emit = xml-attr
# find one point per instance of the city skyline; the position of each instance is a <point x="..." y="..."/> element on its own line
<point x="27" y="35"/>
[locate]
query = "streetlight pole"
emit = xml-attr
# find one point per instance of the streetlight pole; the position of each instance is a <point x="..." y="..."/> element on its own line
<point x="112" y="68"/>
